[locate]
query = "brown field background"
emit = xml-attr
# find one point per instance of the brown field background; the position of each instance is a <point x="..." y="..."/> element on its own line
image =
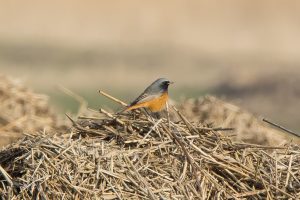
<point x="244" y="51"/>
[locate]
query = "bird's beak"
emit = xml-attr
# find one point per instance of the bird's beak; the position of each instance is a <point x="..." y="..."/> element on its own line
<point x="171" y="82"/>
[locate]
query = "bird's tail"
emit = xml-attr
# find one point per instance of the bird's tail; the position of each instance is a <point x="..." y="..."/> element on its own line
<point x="122" y="110"/>
<point x="128" y="108"/>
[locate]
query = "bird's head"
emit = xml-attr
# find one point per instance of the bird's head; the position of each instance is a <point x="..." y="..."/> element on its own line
<point x="162" y="83"/>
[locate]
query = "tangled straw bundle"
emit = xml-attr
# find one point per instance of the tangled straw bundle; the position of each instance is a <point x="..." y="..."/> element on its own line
<point x="22" y="111"/>
<point x="135" y="156"/>
<point x="248" y="127"/>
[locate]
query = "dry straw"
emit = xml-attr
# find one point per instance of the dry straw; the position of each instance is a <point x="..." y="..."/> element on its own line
<point x="135" y="156"/>
<point x="248" y="128"/>
<point x="22" y="111"/>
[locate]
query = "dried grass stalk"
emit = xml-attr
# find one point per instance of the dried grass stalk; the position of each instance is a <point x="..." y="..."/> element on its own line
<point x="133" y="156"/>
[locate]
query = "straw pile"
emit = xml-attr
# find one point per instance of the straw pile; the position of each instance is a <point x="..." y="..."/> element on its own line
<point x="22" y="111"/>
<point x="247" y="127"/>
<point x="136" y="156"/>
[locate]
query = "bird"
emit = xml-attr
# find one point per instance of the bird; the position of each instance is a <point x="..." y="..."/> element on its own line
<point x="154" y="97"/>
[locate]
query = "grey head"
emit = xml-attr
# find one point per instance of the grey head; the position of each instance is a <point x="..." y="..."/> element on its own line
<point x="158" y="86"/>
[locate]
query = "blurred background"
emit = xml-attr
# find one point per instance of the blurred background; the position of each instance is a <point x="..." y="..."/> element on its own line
<point x="247" y="52"/>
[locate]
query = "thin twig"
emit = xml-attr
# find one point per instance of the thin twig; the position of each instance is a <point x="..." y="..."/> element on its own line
<point x="281" y="127"/>
<point x="215" y="129"/>
<point x="112" y="98"/>
<point x="152" y="128"/>
<point x="111" y="116"/>
<point x="83" y="103"/>
<point x="77" y="126"/>
<point x="168" y="114"/>
<point x="6" y="176"/>
<point x="150" y="192"/>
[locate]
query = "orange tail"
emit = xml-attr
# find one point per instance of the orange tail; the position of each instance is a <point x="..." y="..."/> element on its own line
<point x="141" y="105"/>
<point x="128" y="108"/>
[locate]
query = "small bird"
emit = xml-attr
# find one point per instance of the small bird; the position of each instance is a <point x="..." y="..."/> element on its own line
<point x="154" y="97"/>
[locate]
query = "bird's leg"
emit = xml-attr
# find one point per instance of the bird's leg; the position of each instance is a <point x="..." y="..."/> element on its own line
<point x="156" y="115"/>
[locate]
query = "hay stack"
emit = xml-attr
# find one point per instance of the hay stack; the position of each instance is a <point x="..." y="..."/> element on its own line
<point x="137" y="157"/>
<point x="22" y="111"/>
<point x="247" y="127"/>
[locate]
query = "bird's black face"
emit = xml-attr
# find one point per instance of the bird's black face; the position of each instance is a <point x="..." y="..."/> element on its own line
<point x="165" y="84"/>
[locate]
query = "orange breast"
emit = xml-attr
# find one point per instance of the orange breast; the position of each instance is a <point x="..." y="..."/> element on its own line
<point x="154" y="105"/>
<point x="159" y="103"/>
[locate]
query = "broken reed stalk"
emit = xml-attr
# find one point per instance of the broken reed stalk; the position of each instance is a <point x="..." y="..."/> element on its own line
<point x="101" y="110"/>
<point x="6" y="176"/>
<point x="112" y="98"/>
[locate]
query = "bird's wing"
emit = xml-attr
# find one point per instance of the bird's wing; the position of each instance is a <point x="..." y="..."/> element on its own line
<point x="144" y="97"/>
